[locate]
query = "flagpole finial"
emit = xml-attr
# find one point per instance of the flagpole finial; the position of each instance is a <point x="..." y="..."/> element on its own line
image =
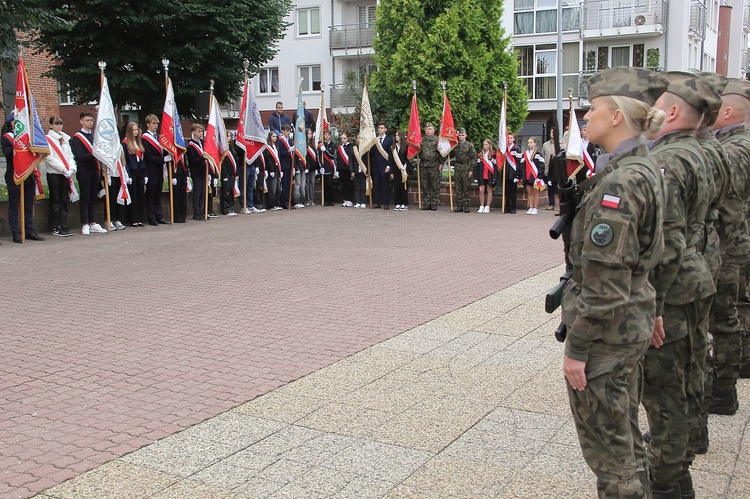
<point x="414" y="86"/>
<point x="245" y="64"/>
<point x="442" y="84"/>
<point x="165" y="63"/>
<point x="212" y="86"/>
<point x="505" y="86"/>
<point x="102" y="65"/>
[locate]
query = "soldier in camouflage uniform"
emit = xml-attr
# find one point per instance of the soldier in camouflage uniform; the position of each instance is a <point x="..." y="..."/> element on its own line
<point x="684" y="287"/>
<point x="608" y="304"/>
<point x="429" y="164"/>
<point x="464" y="158"/>
<point x="719" y="170"/>
<point x="725" y="326"/>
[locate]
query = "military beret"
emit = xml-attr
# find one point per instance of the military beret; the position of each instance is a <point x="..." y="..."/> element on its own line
<point x="693" y="89"/>
<point x="428" y="125"/>
<point x="737" y="86"/>
<point x="640" y="84"/>
<point x="719" y="82"/>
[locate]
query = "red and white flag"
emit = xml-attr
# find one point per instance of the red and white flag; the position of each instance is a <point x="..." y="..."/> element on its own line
<point x="29" y="142"/>
<point x="216" y="145"/>
<point x="448" y="138"/>
<point x="574" y="148"/>
<point x="251" y="136"/>
<point x="502" y="134"/>
<point x="321" y="125"/>
<point x="171" y="137"/>
<point x="414" y="136"/>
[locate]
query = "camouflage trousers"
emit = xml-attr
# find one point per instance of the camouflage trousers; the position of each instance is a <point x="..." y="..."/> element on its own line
<point x="743" y="311"/>
<point x="606" y="419"/>
<point x="462" y="183"/>
<point x="430" y="183"/>
<point x="725" y="329"/>
<point x="665" y="379"/>
<point x="698" y="380"/>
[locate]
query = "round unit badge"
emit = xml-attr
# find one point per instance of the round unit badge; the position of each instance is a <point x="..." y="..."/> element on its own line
<point x="602" y="234"/>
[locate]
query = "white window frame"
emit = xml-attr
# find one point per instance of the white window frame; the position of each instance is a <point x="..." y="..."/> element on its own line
<point x="369" y="16"/>
<point x="309" y="68"/>
<point x="539" y="6"/>
<point x="65" y="98"/>
<point x="307" y="13"/>
<point x="268" y="79"/>
<point x="550" y="72"/>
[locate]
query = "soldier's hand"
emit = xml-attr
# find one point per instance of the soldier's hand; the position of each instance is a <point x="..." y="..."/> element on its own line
<point x="575" y="373"/>
<point x="657" y="338"/>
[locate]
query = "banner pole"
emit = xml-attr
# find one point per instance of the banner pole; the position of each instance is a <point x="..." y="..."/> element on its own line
<point x="105" y="170"/>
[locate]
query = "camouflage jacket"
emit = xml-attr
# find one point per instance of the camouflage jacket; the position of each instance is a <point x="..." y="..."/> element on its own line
<point x="682" y="275"/>
<point x="615" y="241"/>
<point x="429" y="154"/>
<point x="733" y="226"/>
<point x="718" y="167"/>
<point x="464" y="156"/>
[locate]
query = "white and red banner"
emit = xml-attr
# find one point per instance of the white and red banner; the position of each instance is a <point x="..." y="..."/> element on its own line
<point x="448" y="138"/>
<point x="251" y="136"/>
<point x="29" y="141"/>
<point x="216" y="145"/>
<point x="171" y="137"/>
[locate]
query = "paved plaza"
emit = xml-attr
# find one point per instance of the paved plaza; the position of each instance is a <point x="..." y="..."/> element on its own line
<point x="319" y="353"/>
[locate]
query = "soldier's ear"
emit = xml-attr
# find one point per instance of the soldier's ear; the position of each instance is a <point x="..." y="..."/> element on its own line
<point x="617" y="117"/>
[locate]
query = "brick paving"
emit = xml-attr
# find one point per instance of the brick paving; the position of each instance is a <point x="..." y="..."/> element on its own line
<point x="113" y="341"/>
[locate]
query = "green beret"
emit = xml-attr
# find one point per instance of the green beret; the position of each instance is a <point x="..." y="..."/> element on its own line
<point x="739" y="87"/>
<point x="719" y="82"/>
<point x="693" y="89"/>
<point x="640" y="84"/>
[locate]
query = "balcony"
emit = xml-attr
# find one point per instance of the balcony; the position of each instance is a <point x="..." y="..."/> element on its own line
<point x="745" y="58"/>
<point x="746" y="20"/>
<point x="351" y="39"/>
<point x="697" y="26"/>
<point x="619" y="18"/>
<point x="343" y="95"/>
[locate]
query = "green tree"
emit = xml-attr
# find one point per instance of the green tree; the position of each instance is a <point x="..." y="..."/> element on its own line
<point x="202" y="40"/>
<point x="22" y="16"/>
<point x="459" y="41"/>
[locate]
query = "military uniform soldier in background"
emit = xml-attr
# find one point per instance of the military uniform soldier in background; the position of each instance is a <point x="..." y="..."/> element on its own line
<point x="464" y="157"/>
<point x="684" y="287"/>
<point x="429" y="165"/>
<point x="608" y="304"/>
<point x="719" y="170"/>
<point x="725" y="326"/>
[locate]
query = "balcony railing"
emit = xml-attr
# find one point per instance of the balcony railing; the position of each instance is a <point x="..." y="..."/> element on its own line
<point x="351" y="36"/>
<point x="746" y="19"/>
<point x="345" y="96"/>
<point x="600" y="15"/>
<point x="697" y="27"/>
<point x="745" y="57"/>
<point x="583" y="91"/>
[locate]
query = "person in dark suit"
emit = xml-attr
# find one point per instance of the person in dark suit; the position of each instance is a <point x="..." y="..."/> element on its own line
<point x="88" y="174"/>
<point x="380" y="162"/>
<point x="327" y="167"/>
<point x="153" y="158"/>
<point x="345" y="166"/>
<point x="285" y="145"/>
<point x="399" y="172"/>
<point x="197" y="165"/>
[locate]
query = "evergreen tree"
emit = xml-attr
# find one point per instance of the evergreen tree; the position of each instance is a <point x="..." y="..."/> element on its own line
<point x="202" y="40"/>
<point x="459" y="41"/>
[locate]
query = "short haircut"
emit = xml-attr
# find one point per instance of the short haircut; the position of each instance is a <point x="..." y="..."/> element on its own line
<point x="285" y="127"/>
<point x="196" y="126"/>
<point x="151" y="118"/>
<point x="279" y="102"/>
<point x="85" y="114"/>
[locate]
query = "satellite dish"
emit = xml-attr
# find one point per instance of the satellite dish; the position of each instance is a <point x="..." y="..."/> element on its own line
<point x="640" y="20"/>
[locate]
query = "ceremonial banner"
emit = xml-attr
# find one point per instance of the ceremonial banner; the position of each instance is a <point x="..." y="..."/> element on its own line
<point x="251" y="136"/>
<point x="29" y="142"/>
<point x="448" y="138"/>
<point x="300" y="137"/>
<point x="414" y="137"/>
<point x="107" y="147"/>
<point x="321" y="125"/>
<point x="216" y="146"/>
<point x="171" y="137"/>
<point x="502" y="135"/>
<point x="574" y="150"/>
<point x="367" y="136"/>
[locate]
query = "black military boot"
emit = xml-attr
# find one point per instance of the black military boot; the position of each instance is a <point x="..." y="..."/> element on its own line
<point x="745" y="370"/>
<point x="724" y="402"/>
<point x="703" y="443"/>
<point x="686" y="485"/>
<point x="664" y="491"/>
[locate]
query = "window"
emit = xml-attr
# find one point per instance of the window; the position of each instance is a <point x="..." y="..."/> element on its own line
<point x="627" y="55"/>
<point x="639" y="55"/>
<point x="366" y="15"/>
<point x="310" y="78"/>
<point x="65" y="94"/>
<point x="308" y="22"/>
<point x="540" y="16"/>
<point x="620" y="56"/>
<point x="268" y="78"/>
<point x="537" y="69"/>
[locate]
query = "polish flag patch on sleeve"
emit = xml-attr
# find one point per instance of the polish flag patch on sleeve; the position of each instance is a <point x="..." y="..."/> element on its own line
<point x="610" y="201"/>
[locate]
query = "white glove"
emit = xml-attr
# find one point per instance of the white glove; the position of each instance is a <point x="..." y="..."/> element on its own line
<point x="109" y="180"/>
<point x="323" y="148"/>
<point x="265" y="175"/>
<point x="216" y="182"/>
<point x="549" y="183"/>
<point x="336" y="174"/>
<point x="225" y="180"/>
<point x="281" y="175"/>
<point x="67" y="173"/>
<point x="306" y="170"/>
<point x="167" y="158"/>
<point x="387" y="169"/>
<point x="273" y="174"/>
<point x="145" y="180"/>
<point x="174" y="181"/>
<point x="130" y="181"/>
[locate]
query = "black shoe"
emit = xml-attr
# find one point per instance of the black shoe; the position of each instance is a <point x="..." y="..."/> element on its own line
<point x="58" y="231"/>
<point x="151" y="222"/>
<point x="17" y="237"/>
<point x="162" y="221"/>
<point x="179" y="221"/>
<point x="466" y="210"/>
<point x="213" y="215"/>
<point x="433" y="208"/>
<point x="376" y="207"/>
<point x="458" y="210"/>
<point x="33" y="236"/>
<point x="66" y="232"/>
<point x="723" y="403"/>
<point x="196" y="217"/>
<point x="512" y="212"/>
<point x="425" y="207"/>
